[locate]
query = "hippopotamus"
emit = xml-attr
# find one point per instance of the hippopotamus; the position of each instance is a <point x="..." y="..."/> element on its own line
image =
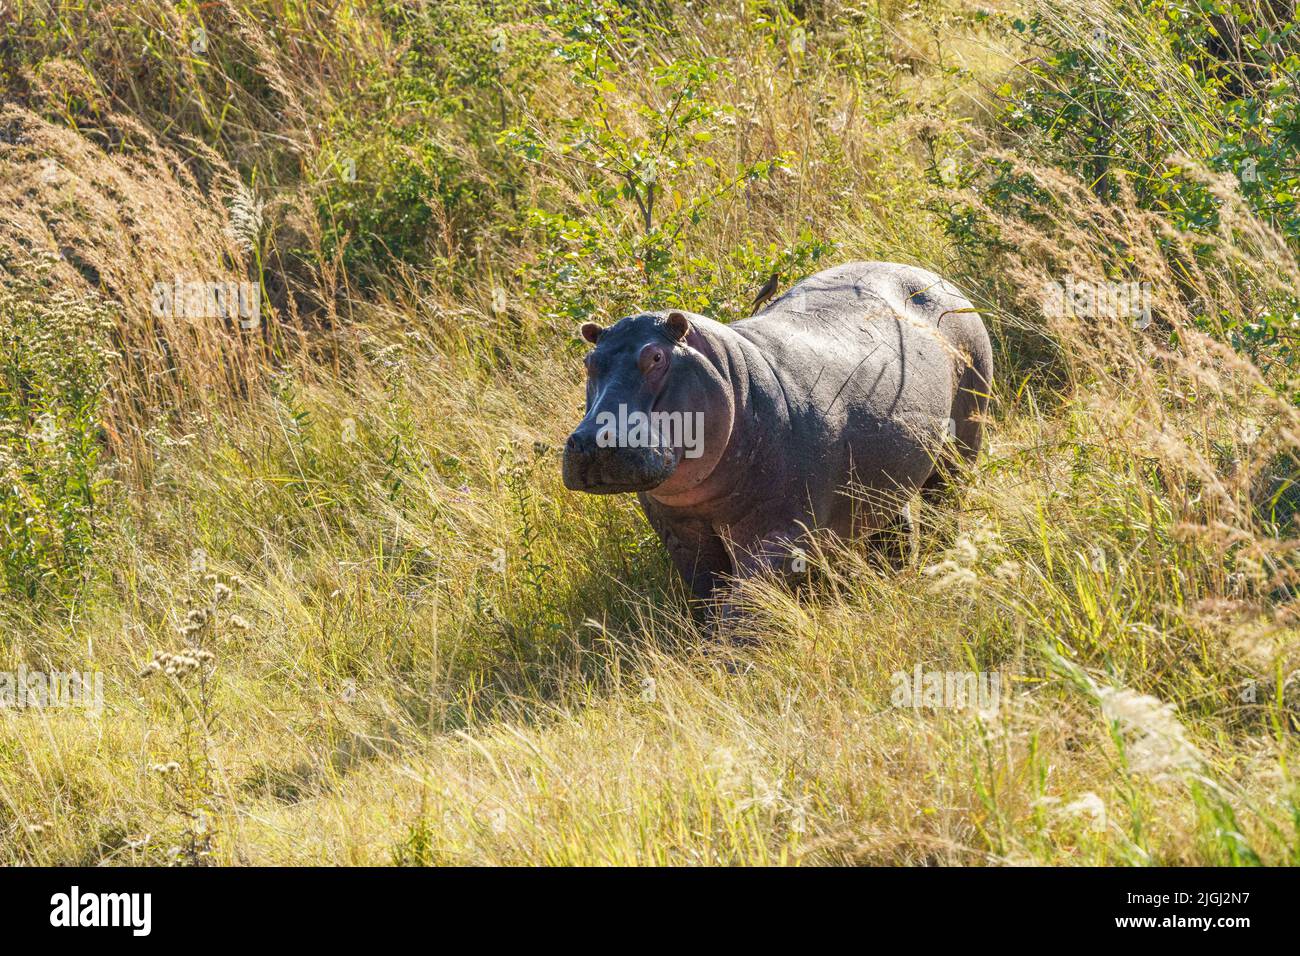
<point x="824" y="413"/>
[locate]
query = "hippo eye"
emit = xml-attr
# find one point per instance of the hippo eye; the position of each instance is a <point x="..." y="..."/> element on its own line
<point x="651" y="357"/>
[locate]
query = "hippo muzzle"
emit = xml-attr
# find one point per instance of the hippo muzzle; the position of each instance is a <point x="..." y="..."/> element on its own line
<point x="596" y="461"/>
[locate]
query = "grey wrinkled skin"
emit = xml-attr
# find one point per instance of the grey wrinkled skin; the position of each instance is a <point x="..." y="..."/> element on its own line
<point x="826" y="412"/>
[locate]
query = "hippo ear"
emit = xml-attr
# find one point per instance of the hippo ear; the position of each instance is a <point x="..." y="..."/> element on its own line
<point x="678" y="325"/>
<point x="590" y="331"/>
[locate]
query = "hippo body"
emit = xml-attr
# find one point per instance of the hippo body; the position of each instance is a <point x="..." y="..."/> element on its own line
<point x="826" y="412"/>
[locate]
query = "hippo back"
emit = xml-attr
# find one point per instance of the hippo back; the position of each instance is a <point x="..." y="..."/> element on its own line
<point x="868" y="358"/>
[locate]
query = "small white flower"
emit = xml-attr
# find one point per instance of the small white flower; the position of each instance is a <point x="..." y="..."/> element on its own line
<point x="1156" y="742"/>
<point x="1090" y="806"/>
<point x="951" y="576"/>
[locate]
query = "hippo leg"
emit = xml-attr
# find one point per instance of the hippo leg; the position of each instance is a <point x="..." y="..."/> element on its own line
<point x="898" y="539"/>
<point x="696" y="550"/>
<point x="968" y="410"/>
<point x="703" y="564"/>
<point x="774" y="552"/>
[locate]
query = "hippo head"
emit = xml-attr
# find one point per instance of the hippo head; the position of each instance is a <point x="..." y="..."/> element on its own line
<point x="651" y="395"/>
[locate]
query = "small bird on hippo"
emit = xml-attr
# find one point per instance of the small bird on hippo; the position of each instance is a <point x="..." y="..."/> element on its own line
<point x="826" y="414"/>
<point x="765" y="292"/>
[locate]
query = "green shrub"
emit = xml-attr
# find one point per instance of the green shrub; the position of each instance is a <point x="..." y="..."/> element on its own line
<point x="53" y="357"/>
<point x="1140" y="101"/>
<point x="394" y="191"/>
<point x="1159" y="82"/>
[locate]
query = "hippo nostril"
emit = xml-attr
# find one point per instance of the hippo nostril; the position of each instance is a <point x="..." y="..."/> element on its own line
<point x="580" y="444"/>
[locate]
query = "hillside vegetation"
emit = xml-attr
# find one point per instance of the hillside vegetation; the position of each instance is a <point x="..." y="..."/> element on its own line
<point x="312" y="531"/>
